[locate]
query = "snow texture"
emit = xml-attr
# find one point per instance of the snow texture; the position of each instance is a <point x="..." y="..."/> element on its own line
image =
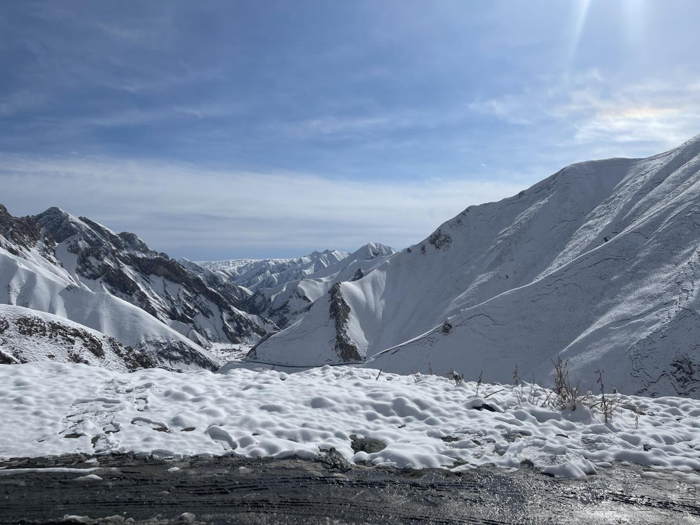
<point x="424" y="421"/>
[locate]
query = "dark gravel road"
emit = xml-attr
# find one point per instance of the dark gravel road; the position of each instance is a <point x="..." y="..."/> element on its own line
<point x="235" y="490"/>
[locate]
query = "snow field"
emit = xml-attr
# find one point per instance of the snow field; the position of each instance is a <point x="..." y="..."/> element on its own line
<point x="425" y="421"/>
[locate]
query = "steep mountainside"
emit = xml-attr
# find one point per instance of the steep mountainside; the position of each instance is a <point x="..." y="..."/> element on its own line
<point x="284" y="304"/>
<point x="123" y="266"/>
<point x="33" y="275"/>
<point x="27" y="335"/>
<point x="255" y="274"/>
<point x="597" y="263"/>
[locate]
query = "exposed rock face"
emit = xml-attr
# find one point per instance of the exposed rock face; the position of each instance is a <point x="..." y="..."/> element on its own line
<point x="114" y="284"/>
<point x="24" y="233"/>
<point x="440" y="240"/>
<point x="123" y="265"/>
<point x="340" y="314"/>
<point x="27" y="336"/>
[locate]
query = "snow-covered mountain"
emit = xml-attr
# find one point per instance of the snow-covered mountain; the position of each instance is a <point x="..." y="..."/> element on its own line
<point x="598" y="263"/>
<point x="284" y="304"/>
<point x="28" y="335"/>
<point x="123" y="266"/>
<point x="115" y="285"/>
<point x="255" y="274"/>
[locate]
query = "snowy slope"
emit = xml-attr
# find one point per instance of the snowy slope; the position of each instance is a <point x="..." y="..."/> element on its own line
<point x="255" y="274"/>
<point x="284" y="304"/>
<point x="417" y="422"/>
<point x="28" y="335"/>
<point x="599" y="262"/>
<point x="31" y="276"/>
<point x="122" y="265"/>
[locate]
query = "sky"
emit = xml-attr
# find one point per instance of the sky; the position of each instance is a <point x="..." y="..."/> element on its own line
<point x="263" y="128"/>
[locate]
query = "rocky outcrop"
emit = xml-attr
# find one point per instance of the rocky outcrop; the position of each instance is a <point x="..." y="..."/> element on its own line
<point x="440" y="240"/>
<point x="340" y="314"/>
<point x="24" y="233"/>
<point x="27" y="336"/>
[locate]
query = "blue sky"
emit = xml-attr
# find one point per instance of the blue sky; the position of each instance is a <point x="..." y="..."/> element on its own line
<point x="220" y="129"/>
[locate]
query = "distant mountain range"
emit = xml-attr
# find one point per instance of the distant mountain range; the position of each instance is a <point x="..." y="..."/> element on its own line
<point x="162" y="312"/>
<point x="255" y="274"/>
<point x="598" y="264"/>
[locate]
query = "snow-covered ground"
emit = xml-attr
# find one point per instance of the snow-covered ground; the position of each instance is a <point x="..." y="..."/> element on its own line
<point x="425" y="421"/>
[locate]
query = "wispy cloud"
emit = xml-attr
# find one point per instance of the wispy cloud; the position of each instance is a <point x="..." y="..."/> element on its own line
<point x="204" y="212"/>
<point x="595" y="112"/>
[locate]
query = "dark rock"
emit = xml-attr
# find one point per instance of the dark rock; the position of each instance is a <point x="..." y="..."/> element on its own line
<point x="485" y="406"/>
<point x="368" y="445"/>
<point x="333" y="460"/>
<point x="340" y="314"/>
<point x="440" y="240"/>
<point x="359" y="274"/>
<point x="526" y="463"/>
<point x="24" y="232"/>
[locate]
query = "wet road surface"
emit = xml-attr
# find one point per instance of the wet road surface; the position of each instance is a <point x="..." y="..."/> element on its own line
<point x="237" y="490"/>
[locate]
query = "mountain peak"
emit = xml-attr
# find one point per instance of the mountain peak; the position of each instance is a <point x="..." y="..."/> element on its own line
<point x="60" y="223"/>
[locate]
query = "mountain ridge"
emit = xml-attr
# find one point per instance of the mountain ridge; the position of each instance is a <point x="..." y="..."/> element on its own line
<point x="493" y="254"/>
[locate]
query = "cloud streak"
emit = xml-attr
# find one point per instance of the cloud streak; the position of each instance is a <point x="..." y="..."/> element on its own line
<point x="204" y="213"/>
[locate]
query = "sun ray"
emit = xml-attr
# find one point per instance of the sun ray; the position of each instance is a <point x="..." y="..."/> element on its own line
<point x="579" y="16"/>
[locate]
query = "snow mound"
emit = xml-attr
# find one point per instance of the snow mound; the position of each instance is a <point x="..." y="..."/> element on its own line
<point x="423" y="421"/>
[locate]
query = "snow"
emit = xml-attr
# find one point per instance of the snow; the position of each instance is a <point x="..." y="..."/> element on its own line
<point x="425" y="421"/>
<point x="53" y="338"/>
<point x="33" y="282"/>
<point x="255" y="274"/>
<point x="597" y="263"/>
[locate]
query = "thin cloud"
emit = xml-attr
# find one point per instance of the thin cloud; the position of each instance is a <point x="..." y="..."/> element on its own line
<point x="594" y="112"/>
<point x="179" y="207"/>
